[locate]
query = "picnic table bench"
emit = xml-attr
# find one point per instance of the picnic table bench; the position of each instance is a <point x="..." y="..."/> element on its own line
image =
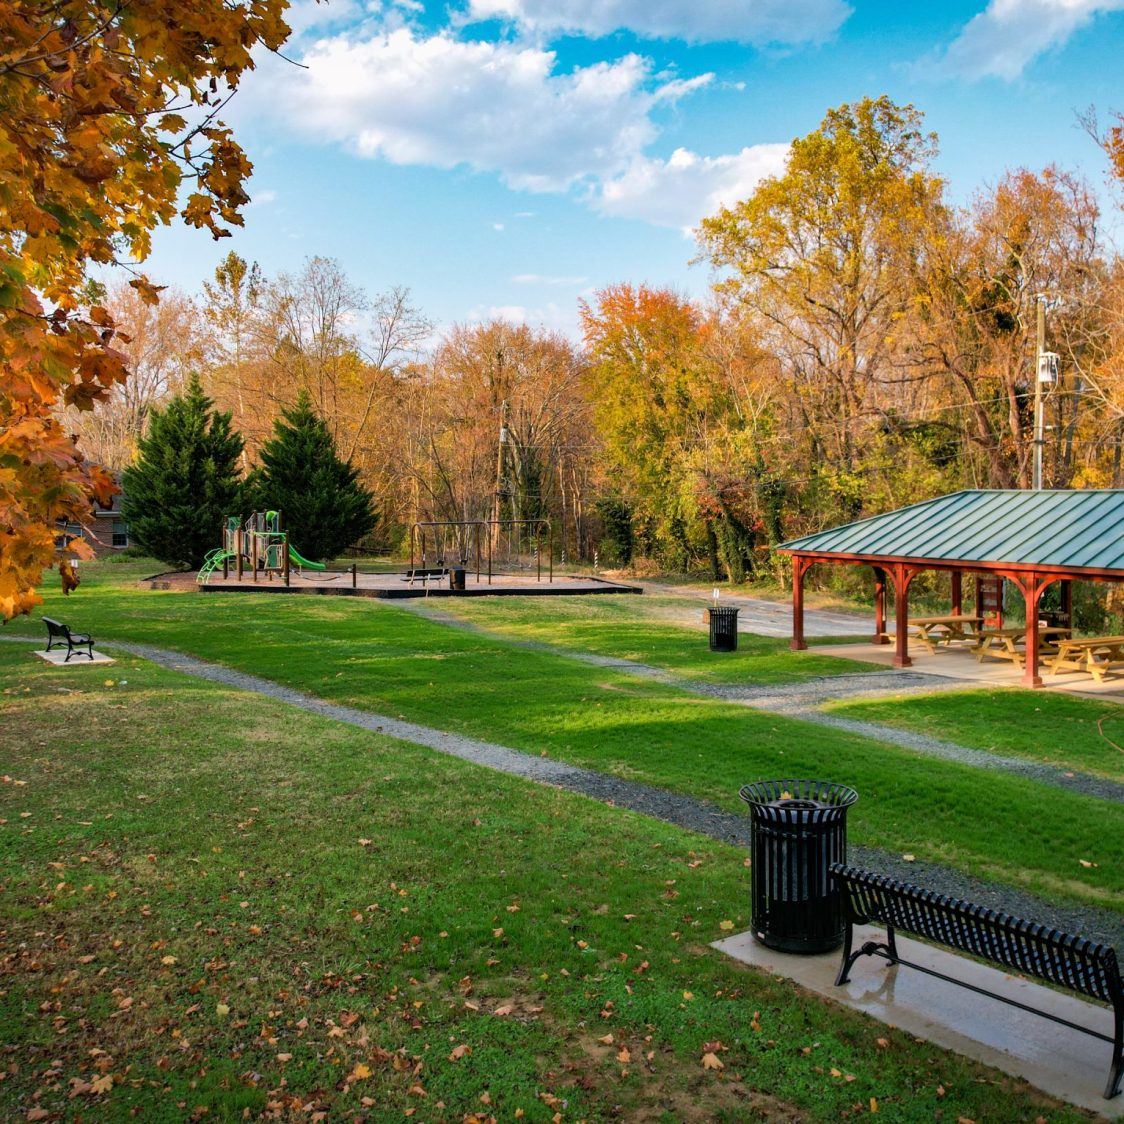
<point x="56" y="630"/>
<point x="1021" y="946"/>
<point x="1093" y="654"/>
<point x="1003" y="643"/>
<point x="931" y="631"/>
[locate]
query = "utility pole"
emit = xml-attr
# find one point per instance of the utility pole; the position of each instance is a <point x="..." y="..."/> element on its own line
<point x="501" y="449"/>
<point x="1040" y="347"/>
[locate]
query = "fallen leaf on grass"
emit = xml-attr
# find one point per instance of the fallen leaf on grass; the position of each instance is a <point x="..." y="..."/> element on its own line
<point x="504" y="1011"/>
<point x="624" y="1055"/>
<point x="364" y="842"/>
<point x="460" y="1051"/>
<point x="712" y="1061"/>
<point x="102" y="1084"/>
<point x="726" y="926"/>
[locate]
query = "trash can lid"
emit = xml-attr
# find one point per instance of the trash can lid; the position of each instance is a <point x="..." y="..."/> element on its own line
<point x="799" y="795"/>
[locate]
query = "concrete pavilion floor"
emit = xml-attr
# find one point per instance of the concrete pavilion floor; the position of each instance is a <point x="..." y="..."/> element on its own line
<point x="1063" y="1062"/>
<point x="956" y="661"/>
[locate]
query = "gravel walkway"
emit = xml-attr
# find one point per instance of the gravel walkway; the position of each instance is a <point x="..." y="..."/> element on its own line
<point x="802" y="700"/>
<point x="674" y="808"/>
<point x="768" y="618"/>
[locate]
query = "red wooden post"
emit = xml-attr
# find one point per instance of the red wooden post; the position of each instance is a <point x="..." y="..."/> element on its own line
<point x="957" y="593"/>
<point x="902" y="575"/>
<point x="1032" y="590"/>
<point x="799" y="569"/>
<point x="880" y="636"/>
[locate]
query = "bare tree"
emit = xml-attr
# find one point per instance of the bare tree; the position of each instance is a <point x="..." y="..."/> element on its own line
<point x="164" y="346"/>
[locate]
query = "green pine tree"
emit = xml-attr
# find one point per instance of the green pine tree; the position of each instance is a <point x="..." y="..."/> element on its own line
<point x="324" y="506"/>
<point x="184" y="481"/>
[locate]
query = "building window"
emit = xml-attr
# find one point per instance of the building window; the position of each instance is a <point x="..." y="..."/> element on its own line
<point x="120" y="533"/>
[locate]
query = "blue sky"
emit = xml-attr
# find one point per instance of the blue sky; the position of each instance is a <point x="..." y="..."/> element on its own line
<point x="507" y="157"/>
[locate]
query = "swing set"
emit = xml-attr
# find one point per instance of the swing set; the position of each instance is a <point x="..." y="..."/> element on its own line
<point x="438" y="547"/>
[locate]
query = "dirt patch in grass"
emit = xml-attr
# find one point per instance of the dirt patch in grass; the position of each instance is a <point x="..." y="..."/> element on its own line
<point x="661" y="1087"/>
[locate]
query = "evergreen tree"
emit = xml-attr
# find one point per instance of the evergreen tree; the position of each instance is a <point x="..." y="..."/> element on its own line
<point x="184" y="481"/>
<point x="324" y="506"/>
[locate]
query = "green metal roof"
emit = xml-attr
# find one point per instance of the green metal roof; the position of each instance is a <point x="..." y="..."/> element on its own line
<point x="1069" y="529"/>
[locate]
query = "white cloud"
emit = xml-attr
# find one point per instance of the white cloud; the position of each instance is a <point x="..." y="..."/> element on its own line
<point x="1001" y="40"/>
<point x="680" y="191"/>
<point x="540" y="279"/>
<point x="708" y="21"/>
<point x="497" y="107"/>
<point x="553" y="317"/>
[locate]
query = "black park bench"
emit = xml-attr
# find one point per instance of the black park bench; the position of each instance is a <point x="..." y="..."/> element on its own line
<point x="56" y="630"/>
<point x="1021" y="946"/>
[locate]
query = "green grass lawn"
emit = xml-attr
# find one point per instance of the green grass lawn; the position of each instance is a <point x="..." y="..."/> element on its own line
<point x="379" y="657"/>
<point x="214" y="906"/>
<point x="637" y="628"/>
<point x="1062" y="730"/>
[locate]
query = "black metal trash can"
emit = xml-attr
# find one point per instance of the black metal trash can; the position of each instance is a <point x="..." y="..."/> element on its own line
<point x="723" y="629"/>
<point x="798" y="829"/>
<point x="456" y="579"/>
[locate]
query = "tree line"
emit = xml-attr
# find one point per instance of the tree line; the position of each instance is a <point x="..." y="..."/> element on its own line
<point x="867" y="344"/>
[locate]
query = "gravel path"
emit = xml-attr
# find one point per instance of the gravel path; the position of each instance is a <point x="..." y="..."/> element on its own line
<point x="802" y="700"/>
<point x="674" y="808"/>
<point x="768" y="618"/>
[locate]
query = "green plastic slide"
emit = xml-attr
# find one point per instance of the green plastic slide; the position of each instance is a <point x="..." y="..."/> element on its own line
<point x="303" y="563"/>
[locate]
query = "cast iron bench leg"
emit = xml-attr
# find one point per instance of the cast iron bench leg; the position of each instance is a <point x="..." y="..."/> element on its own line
<point x="849" y="957"/>
<point x="1116" y="1070"/>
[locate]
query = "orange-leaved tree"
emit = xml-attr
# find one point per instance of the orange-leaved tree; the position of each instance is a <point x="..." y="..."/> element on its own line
<point x="108" y="111"/>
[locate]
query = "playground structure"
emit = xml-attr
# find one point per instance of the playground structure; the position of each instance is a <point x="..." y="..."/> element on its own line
<point x="461" y="540"/>
<point x="259" y="543"/>
<point x="506" y="554"/>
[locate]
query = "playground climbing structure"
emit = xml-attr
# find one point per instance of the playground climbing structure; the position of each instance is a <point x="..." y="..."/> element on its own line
<point x="259" y="544"/>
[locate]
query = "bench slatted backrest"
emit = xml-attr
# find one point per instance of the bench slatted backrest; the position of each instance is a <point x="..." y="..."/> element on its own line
<point x="1049" y="954"/>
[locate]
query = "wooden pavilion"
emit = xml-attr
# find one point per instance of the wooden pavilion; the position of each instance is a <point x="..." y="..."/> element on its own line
<point x="1030" y="538"/>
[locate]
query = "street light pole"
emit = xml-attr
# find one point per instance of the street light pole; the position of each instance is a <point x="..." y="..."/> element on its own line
<point x="1039" y="437"/>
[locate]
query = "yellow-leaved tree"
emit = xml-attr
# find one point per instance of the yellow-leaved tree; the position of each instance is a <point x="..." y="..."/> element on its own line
<point x="108" y="129"/>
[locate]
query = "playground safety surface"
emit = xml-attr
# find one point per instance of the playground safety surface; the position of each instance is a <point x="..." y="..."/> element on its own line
<point x="339" y="583"/>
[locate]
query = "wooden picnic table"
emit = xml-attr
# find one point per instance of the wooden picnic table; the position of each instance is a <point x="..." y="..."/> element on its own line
<point x="1093" y="654"/>
<point x="933" y="630"/>
<point x="1003" y="643"/>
